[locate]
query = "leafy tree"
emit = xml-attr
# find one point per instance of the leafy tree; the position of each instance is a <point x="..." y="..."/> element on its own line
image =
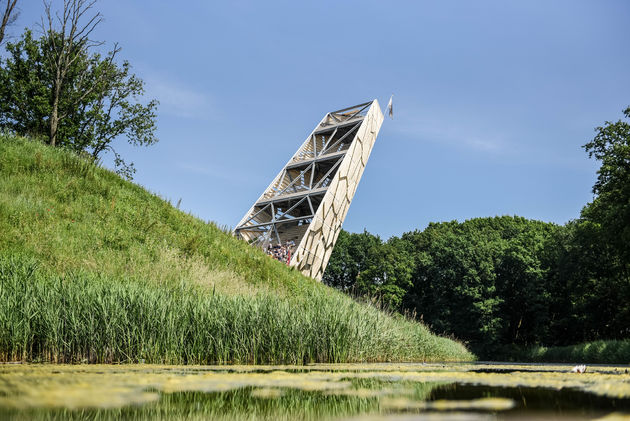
<point x="362" y="264"/>
<point x="24" y="95"/>
<point x="454" y="281"/>
<point x="483" y="280"/>
<point x="522" y="271"/>
<point x="611" y="207"/>
<point x="387" y="273"/>
<point x="603" y="234"/>
<point x="55" y="88"/>
<point x="349" y="258"/>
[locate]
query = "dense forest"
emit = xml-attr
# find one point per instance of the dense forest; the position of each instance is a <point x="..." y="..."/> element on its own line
<point x="502" y="282"/>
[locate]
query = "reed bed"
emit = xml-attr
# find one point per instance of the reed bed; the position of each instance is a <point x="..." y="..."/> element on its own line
<point x="85" y="317"/>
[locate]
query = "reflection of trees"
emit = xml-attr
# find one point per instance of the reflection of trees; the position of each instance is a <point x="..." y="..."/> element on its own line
<point x="365" y="396"/>
<point x="291" y="404"/>
<point x="239" y="404"/>
<point x="533" y="398"/>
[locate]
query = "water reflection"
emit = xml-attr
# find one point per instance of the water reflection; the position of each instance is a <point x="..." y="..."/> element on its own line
<point x="321" y="392"/>
<point x="533" y="401"/>
<point x="242" y="404"/>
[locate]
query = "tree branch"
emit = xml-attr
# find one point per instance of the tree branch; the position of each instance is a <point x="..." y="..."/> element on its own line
<point x="8" y="18"/>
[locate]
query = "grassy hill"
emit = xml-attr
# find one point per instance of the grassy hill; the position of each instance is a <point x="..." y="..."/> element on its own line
<point x="94" y="268"/>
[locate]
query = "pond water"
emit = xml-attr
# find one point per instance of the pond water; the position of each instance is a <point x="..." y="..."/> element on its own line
<point x="337" y="391"/>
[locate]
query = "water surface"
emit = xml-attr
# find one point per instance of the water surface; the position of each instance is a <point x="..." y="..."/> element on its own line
<point x="314" y="392"/>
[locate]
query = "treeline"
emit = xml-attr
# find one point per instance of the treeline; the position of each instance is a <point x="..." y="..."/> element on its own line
<point x="508" y="281"/>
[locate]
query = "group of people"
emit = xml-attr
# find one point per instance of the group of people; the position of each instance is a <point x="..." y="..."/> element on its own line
<point x="281" y="252"/>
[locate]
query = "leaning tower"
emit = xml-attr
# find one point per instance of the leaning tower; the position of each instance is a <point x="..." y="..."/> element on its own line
<point x="304" y="206"/>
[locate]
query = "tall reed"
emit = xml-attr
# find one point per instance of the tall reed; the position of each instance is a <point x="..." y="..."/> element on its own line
<point x="86" y="317"/>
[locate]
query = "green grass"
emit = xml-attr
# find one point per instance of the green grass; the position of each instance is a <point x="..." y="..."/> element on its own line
<point x="71" y="214"/>
<point x="596" y="352"/>
<point x="94" y="268"/>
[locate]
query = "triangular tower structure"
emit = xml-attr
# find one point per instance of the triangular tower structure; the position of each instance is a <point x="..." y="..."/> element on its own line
<point x="302" y="210"/>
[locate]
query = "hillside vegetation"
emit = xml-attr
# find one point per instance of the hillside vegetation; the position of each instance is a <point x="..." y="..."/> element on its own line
<point x="95" y="268"/>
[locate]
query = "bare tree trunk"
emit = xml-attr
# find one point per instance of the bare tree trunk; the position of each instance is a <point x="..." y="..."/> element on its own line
<point x="54" y="116"/>
<point x="8" y="18"/>
<point x="67" y="43"/>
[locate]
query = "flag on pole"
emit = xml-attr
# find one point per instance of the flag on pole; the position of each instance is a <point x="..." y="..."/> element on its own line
<point x="390" y="107"/>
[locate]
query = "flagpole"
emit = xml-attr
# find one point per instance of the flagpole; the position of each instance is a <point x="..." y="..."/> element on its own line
<point x="390" y="107"/>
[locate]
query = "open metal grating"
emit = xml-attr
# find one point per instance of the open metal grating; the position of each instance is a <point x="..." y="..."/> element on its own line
<point x="303" y="208"/>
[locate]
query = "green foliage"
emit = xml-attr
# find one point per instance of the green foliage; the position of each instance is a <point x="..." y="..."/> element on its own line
<point x="611" y="207"/>
<point x="482" y="280"/>
<point x="363" y="265"/>
<point x="387" y="273"/>
<point x="98" y="99"/>
<point x="590" y="284"/>
<point x="95" y="268"/>
<point x="25" y="98"/>
<point x="604" y="229"/>
<point x="588" y="301"/>
<point x="500" y="281"/>
<point x="596" y="352"/>
<point x="349" y="259"/>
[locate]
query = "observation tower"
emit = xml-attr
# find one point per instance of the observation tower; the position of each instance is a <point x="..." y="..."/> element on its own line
<point x="299" y="216"/>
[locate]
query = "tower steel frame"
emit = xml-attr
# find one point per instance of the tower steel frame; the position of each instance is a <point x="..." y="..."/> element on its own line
<point x="304" y="207"/>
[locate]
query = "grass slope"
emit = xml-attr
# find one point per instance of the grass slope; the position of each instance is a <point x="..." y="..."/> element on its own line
<point x="94" y="268"/>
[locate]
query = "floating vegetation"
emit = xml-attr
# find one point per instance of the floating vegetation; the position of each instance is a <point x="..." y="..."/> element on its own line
<point x="322" y="391"/>
<point x="484" y="404"/>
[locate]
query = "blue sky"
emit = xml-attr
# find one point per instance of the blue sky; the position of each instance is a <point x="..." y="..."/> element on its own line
<point x="493" y="99"/>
